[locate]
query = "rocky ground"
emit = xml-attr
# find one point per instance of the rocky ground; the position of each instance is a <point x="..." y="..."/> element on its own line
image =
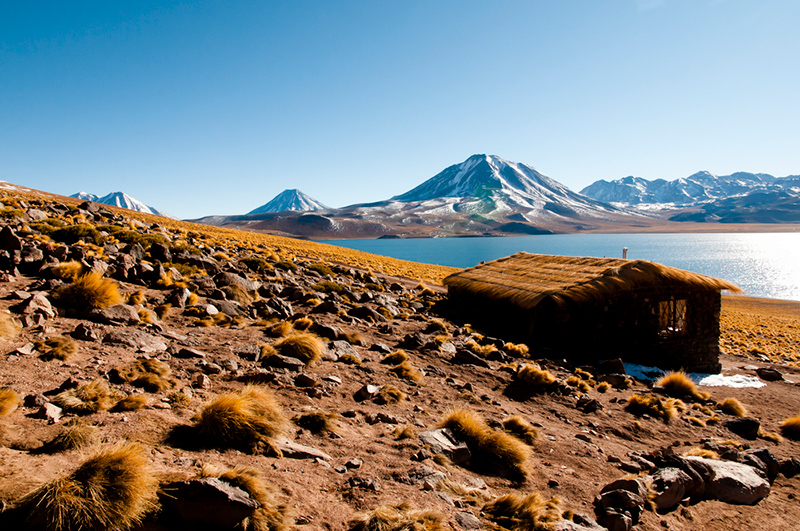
<point x="207" y="308"/>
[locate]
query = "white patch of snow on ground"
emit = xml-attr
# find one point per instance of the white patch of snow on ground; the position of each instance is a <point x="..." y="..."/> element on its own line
<point x="642" y="372"/>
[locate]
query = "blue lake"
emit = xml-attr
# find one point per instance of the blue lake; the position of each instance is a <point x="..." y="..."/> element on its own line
<point x="762" y="264"/>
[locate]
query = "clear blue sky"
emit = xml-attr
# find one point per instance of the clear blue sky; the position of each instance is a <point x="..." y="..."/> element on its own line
<point x="213" y="107"/>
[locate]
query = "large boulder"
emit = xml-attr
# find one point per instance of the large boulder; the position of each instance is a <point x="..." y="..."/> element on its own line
<point x="209" y="502"/>
<point x="669" y="486"/>
<point x="136" y="339"/>
<point x="733" y="482"/>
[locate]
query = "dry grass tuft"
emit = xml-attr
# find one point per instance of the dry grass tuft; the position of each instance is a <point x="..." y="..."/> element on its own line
<point x="88" y="398"/>
<point x="389" y="394"/>
<point x="407" y="432"/>
<point x="132" y="403"/>
<point x="304" y="347"/>
<point x="112" y="489"/>
<point x="89" y="291"/>
<point x="533" y="377"/>
<point x="701" y="452"/>
<point x="74" y="436"/>
<point x="318" y="422"/>
<point x="406" y="371"/>
<point x="481" y="350"/>
<point x="248" y="420"/>
<point x="437" y="326"/>
<point x="469" y="495"/>
<point x="769" y="436"/>
<point x="398" y="518"/>
<point x="8" y="328"/>
<point x="491" y="450"/>
<point x="68" y="270"/>
<point x="679" y="385"/>
<point x="270" y="516"/>
<point x="524" y="512"/>
<point x="304" y="323"/>
<point x="350" y="359"/>
<point x="697" y="422"/>
<point x="162" y="310"/>
<point x="518" y="350"/>
<point x="354" y="338"/>
<point x="179" y="399"/>
<point x="790" y="428"/>
<point x="56" y="348"/>
<point x="150" y="374"/>
<point x="238" y="294"/>
<point x="732" y="406"/>
<point x="603" y="387"/>
<point x="137" y="297"/>
<point x="654" y="406"/>
<point x="9" y="400"/>
<point x="521" y="429"/>
<point x="395" y="358"/>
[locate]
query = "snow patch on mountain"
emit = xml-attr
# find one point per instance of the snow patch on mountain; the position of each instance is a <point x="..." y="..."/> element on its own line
<point x="291" y="199"/>
<point x="122" y="200"/>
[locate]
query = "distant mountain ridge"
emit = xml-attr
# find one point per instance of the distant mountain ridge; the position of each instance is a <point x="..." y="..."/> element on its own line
<point x="290" y="200"/>
<point x="122" y="200"/>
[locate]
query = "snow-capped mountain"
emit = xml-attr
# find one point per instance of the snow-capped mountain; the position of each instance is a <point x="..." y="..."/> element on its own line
<point x="120" y="199"/>
<point x="492" y="186"/>
<point x="698" y="188"/>
<point x="293" y="200"/>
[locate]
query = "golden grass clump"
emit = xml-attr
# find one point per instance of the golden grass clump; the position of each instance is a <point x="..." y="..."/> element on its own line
<point x="491" y="450"/>
<point x="406" y="371"/>
<point x="398" y="518"/>
<point x="524" y="512"/>
<point x="75" y="435"/>
<point x="679" y="385"/>
<point x="162" y="310"/>
<point x="152" y="375"/>
<point x="437" y="326"/>
<point x="318" y="422"/>
<point x="67" y="270"/>
<point x="469" y="495"/>
<point x="654" y="406"/>
<point x="9" y="400"/>
<point x="179" y="399"/>
<point x="395" y="358"/>
<point x="304" y="323"/>
<point x="534" y="377"/>
<point x="390" y="394"/>
<point x="732" y="406"/>
<point x="697" y="422"/>
<point x="481" y="350"/>
<point x="88" y="398"/>
<point x="603" y="387"/>
<point x="521" y="429"/>
<point x="88" y="292"/>
<point x="237" y="293"/>
<point x="407" y="432"/>
<point x="8" y="328"/>
<point x="305" y="347"/>
<point x="271" y="515"/>
<point x="790" y="428"/>
<point x="354" y="338"/>
<point x="112" y="489"/>
<point x="249" y="420"/>
<point x="279" y="329"/>
<point x="701" y="452"/>
<point x="350" y="359"/>
<point x="769" y="436"/>
<point x="518" y="350"/>
<point x="56" y="348"/>
<point x="137" y="297"/>
<point x="131" y="403"/>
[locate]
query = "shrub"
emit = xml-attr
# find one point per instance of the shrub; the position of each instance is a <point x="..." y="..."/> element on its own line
<point x="303" y="323"/>
<point x="321" y="267"/>
<point x="305" y="347"/>
<point x="733" y="407"/>
<point x="390" y="394"/>
<point x="481" y="350"/>
<point x="518" y="350"/>
<point x="248" y="420"/>
<point x="524" y="512"/>
<point x="318" y="421"/>
<point x="67" y="270"/>
<point x="397" y="518"/>
<point x="534" y="377"/>
<point x="145" y="240"/>
<point x="491" y="450"/>
<point x="137" y="297"/>
<point x="56" y="348"/>
<point x="286" y="265"/>
<point x="395" y="358"/>
<point x="89" y="291"/>
<point x="8" y="328"/>
<point x="73" y="437"/>
<point x="653" y="406"/>
<point x="74" y="233"/>
<point x="521" y="429"/>
<point x="255" y="263"/>
<point x="9" y="400"/>
<point x="790" y="428"/>
<point x="150" y="374"/>
<point x="602" y="387"/>
<point x="179" y="398"/>
<point x="679" y="385"/>
<point x="112" y="489"/>
<point x="88" y="398"/>
<point x="405" y="433"/>
<point x="270" y="516"/>
<point x="131" y="403"/>
<point x="406" y="371"/>
<point x="328" y="286"/>
<point x="279" y="329"/>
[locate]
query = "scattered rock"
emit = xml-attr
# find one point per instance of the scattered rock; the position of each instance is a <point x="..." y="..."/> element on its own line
<point x="745" y="427"/>
<point x="209" y="502"/>
<point x="769" y="375"/>
<point x="294" y="450"/>
<point x="468" y="520"/>
<point x="442" y="441"/>
<point x="733" y="482"/>
<point x="669" y="486"/>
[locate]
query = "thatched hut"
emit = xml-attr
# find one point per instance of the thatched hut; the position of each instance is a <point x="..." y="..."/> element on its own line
<point x="595" y="308"/>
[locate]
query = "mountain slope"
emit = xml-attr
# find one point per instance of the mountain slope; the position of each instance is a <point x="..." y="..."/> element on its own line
<point x="122" y="200"/>
<point x="290" y="199"/>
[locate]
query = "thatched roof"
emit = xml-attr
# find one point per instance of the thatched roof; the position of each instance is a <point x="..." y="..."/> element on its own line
<point x="525" y="279"/>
